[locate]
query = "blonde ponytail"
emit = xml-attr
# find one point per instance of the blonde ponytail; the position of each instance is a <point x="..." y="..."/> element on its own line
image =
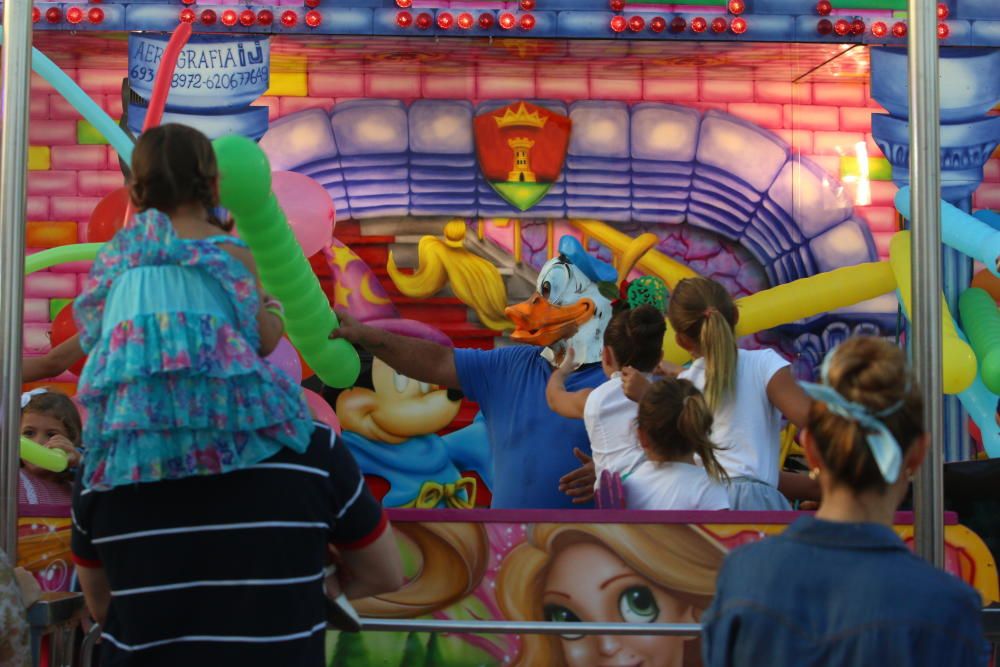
<point x="718" y="346"/>
<point x="702" y="310"/>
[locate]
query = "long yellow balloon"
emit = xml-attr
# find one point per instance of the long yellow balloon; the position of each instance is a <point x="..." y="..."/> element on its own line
<point x="959" y="360"/>
<point x="799" y="299"/>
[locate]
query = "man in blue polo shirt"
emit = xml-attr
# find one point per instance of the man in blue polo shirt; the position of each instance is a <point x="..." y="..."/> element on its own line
<point x="537" y="455"/>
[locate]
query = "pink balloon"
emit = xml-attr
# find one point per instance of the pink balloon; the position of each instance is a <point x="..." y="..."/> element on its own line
<point x="322" y="410"/>
<point x="308" y="208"/>
<point x="286" y="358"/>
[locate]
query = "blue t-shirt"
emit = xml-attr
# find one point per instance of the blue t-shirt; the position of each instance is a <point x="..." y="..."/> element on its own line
<point x="825" y="593"/>
<point x="532" y="447"/>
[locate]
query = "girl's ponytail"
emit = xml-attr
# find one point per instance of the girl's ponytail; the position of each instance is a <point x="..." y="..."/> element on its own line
<point x="703" y="311"/>
<point x="718" y="346"/>
<point x="694" y="424"/>
<point x="674" y="422"/>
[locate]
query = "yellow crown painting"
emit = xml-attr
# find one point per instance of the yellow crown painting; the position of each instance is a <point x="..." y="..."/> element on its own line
<point x="520" y="119"/>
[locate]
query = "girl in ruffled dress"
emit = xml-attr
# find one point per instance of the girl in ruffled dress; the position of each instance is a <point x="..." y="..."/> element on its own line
<point x="175" y="325"/>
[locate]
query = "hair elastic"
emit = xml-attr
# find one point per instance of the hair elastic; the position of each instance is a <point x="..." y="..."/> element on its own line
<point x="28" y="395"/>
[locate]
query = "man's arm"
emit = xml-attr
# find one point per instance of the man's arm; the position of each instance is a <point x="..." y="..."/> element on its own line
<point x="420" y="360"/>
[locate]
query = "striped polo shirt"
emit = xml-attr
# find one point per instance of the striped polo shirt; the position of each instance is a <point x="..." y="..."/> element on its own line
<point x="225" y="569"/>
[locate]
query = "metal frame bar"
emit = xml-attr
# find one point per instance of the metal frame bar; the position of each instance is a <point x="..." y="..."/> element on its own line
<point x="14" y="100"/>
<point x="529" y="627"/>
<point x="926" y="268"/>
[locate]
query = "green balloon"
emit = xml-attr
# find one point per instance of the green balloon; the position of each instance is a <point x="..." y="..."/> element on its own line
<point x="245" y="189"/>
<point x="54" y="460"/>
<point x="245" y="182"/>
<point x="981" y="321"/>
<point x="79" y="252"/>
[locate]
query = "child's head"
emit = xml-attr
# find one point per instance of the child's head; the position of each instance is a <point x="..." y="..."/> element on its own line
<point x="46" y="414"/>
<point x="871" y="374"/>
<point x="634" y="337"/>
<point x="704" y="317"/>
<point x="674" y="422"/>
<point x="172" y="166"/>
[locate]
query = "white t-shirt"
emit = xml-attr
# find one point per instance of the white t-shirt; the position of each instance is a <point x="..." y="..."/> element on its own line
<point x="609" y="417"/>
<point x="747" y="428"/>
<point x="673" y="486"/>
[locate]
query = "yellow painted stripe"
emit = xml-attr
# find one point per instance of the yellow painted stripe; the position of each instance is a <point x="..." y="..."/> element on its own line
<point x="39" y="158"/>
<point x="288" y="84"/>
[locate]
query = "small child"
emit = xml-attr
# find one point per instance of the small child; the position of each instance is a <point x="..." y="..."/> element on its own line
<point x="52" y="420"/>
<point x="175" y="323"/>
<point x="673" y="426"/>
<point x="633" y="338"/>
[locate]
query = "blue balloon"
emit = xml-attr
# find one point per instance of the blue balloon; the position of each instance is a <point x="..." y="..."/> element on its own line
<point x="981" y="405"/>
<point x="961" y="231"/>
<point x="82" y="102"/>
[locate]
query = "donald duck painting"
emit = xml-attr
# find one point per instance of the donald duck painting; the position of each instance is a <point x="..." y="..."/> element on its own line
<point x="539" y="460"/>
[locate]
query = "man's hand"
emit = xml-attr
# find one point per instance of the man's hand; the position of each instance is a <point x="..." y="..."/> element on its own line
<point x="567" y="366"/>
<point x="634" y="383"/>
<point x="350" y="329"/>
<point x="579" y="484"/>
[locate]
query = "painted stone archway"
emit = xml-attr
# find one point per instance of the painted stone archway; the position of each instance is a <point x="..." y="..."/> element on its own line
<point x="646" y="165"/>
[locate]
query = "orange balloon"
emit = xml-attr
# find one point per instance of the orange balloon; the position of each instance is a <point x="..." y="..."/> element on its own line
<point x="108" y="216"/>
<point x="989" y="282"/>
<point x="63" y="327"/>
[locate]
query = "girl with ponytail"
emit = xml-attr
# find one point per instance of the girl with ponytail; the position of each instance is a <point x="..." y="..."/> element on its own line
<point x="633" y="339"/>
<point x="674" y="424"/>
<point x="747" y="391"/>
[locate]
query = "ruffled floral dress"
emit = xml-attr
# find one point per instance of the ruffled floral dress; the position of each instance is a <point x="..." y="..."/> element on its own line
<point x="174" y="385"/>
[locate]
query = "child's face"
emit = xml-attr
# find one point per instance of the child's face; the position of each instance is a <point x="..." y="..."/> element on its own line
<point x="41" y="428"/>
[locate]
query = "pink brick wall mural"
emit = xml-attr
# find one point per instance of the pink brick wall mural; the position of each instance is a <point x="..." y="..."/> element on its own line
<point x="823" y="120"/>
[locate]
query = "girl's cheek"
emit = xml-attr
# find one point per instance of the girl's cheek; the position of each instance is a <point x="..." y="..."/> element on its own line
<point x="579" y="653"/>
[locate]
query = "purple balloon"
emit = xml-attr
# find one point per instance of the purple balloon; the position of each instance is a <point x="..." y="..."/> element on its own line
<point x="286" y="358"/>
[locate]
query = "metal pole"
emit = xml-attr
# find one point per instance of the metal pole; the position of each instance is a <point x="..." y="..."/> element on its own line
<point x="925" y="182"/>
<point x="529" y="627"/>
<point x="16" y="65"/>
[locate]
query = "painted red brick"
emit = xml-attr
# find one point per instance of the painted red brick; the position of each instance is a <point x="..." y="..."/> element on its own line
<point x="38" y="107"/>
<point x="828" y="163"/>
<point x="73" y="208"/>
<point x="627" y="89"/>
<point x="812" y="117"/>
<point x="348" y="81"/>
<point x="76" y="268"/>
<point x="442" y="84"/>
<point x="725" y="90"/>
<point x="99" y="183"/>
<point x="36" y="337"/>
<point x="52" y="183"/>
<point x="112" y="159"/>
<point x="101" y="81"/>
<point x="113" y="105"/>
<point x="36" y="310"/>
<point x="799" y="140"/>
<point x="565" y="83"/>
<point x="79" y="157"/>
<point x="768" y="116"/>
<point x="393" y="85"/>
<point x="520" y="83"/>
<point x="881" y="219"/>
<point x="873" y="149"/>
<point x="836" y="143"/>
<point x="783" y="92"/>
<point x="60" y="109"/>
<point x="855" y="119"/>
<point x="38" y="208"/>
<point x="288" y="105"/>
<point x="709" y="106"/>
<point x="41" y="86"/>
<point x="882" y="240"/>
<point x="883" y="193"/>
<point x="48" y="285"/>
<point x="52" y="133"/>
<point x="840" y="94"/>
<point x="81" y="232"/>
<point x="49" y="234"/>
<point x="670" y="90"/>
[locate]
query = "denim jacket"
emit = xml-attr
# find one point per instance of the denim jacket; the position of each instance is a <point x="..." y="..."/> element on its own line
<point x="840" y="595"/>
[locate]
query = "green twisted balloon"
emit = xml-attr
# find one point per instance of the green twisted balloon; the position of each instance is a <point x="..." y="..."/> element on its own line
<point x="981" y="321"/>
<point x="43" y="457"/>
<point x="245" y="191"/>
